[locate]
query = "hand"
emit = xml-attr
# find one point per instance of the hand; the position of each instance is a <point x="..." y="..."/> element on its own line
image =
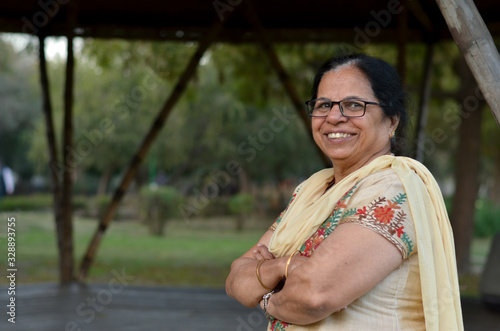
<point x="262" y="252"/>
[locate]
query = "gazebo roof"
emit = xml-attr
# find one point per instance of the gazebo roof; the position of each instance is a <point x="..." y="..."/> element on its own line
<point x="190" y="20"/>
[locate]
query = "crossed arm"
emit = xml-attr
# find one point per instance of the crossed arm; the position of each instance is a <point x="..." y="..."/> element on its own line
<point x="347" y="264"/>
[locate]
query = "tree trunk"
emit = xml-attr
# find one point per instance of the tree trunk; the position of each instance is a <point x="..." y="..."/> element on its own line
<point x="467" y="169"/>
<point x="104" y="182"/>
<point x="424" y="98"/>
<point x="495" y="186"/>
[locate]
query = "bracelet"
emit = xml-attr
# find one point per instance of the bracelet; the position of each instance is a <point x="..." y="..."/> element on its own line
<point x="289" y="260"/>
<point x="258" y="276"/>
<point x="265" y="304"/>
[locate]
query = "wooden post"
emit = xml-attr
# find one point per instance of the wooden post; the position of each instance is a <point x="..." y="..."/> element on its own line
<point x="282" y="74"/>
<point x="476" y="45"/>
<point x="67" y="261"/>
<point x="145" y="146"/>
<point x="402" y="38"/>
<point x="53" y="159"/>
<point x="425" y="96"/>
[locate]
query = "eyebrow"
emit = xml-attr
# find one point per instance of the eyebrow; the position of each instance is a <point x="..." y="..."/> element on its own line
<point x="347" y="97"/>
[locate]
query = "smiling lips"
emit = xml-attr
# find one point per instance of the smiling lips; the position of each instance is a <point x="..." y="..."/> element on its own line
<point x="339" y="135"/>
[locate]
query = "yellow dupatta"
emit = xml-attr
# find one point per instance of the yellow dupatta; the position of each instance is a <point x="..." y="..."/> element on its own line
<point x="436" y="249"/>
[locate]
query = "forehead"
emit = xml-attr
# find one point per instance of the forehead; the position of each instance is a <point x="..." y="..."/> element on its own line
<point x="345" y="82"/>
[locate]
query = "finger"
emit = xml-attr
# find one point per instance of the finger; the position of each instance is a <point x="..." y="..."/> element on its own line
<point x="264" y="251"/>
<point x="257" y="255"/>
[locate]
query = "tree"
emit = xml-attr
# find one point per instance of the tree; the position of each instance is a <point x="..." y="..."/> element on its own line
<point x="19" y="105"/>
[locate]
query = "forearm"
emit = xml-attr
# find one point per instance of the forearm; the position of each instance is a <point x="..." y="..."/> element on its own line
<point x="243" y="285"/>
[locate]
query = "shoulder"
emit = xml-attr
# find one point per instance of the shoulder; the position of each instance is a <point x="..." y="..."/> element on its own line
<point x="382" y="182"/>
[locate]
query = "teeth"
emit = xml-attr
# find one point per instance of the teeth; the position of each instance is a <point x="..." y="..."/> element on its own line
<point x="338" y="135"/>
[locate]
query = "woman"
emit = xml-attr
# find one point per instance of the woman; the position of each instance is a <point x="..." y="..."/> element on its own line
<point x="366" y="245"/>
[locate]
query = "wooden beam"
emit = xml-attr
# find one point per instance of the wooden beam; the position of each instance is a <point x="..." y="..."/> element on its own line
<point x="476" y="45"/>
<point x="416" y="9"/>
<point x="145" y="146"/>
<point x="425" y="96"/>
<point x="253" y="18"/>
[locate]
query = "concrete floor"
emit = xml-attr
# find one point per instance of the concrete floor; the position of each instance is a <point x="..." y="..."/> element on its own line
<point x="114" y="306"/>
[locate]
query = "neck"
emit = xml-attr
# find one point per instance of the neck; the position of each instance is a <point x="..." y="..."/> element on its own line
<point x="344" y="168"/>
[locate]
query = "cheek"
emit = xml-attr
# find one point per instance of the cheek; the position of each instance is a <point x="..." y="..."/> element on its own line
<point x="316" y="133"/>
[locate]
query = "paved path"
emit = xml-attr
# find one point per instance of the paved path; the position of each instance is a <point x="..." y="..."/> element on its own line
<point x="109" y="307"/>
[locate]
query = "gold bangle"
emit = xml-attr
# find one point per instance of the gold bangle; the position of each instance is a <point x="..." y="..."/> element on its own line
<point x="258" y="276"/>
<point x="288" y="262"/>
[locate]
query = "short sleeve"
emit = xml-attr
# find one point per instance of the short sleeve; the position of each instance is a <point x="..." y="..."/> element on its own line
<point x="381" y="205"/>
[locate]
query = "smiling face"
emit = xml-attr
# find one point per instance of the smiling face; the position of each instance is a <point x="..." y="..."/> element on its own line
<point x="351" y="142"/>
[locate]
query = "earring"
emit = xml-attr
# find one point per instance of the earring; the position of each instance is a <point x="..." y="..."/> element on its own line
<point x="391" y="135"/>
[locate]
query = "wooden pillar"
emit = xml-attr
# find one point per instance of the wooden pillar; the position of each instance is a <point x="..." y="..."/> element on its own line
<point x="145" y="146"/>
<point x="67" y="261"/>
<point x="52" y="145"/>
<point x="402" y="38"/>
<point x="476" y="45"/>
<point x="425" y="96"/>
<point x="282" y="74"/>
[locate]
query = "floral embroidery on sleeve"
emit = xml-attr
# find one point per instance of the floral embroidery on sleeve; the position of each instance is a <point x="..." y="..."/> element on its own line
<point x="387" y="218"/>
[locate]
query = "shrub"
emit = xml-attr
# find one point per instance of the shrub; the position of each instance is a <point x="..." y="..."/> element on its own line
<point x="40" y="201"/>
<point x="241" y="205"/>
<point x="487" y="219"/>
<point x="26" y="202"/>
<point x="159" y="204"/>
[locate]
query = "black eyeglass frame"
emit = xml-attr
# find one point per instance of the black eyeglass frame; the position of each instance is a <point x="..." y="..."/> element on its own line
<point x="309" y="112"/>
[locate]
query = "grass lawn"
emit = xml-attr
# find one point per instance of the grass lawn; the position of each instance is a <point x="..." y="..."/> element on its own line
<point x="198" y="253"/>
<point x="195" y="254"/>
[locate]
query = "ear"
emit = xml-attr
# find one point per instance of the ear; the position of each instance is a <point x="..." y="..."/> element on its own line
<point x="394" y="123"/>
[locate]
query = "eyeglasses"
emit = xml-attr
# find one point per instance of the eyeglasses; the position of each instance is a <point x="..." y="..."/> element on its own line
<point x="349" y="107"/>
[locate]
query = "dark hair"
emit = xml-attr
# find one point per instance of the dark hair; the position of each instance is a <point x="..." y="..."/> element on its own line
<point x="386" y="85"/>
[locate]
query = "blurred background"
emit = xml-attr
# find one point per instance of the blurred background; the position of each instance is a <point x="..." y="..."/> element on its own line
<point x="227" y="159"/>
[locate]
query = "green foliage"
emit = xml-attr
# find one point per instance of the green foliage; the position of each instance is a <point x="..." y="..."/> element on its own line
<point x="40" y="201"/>
<point x="228" y="112"/>
<point x="19" y="106"/>
<point x="159" y="204"/>
<point x="487" y="216"/>
<point x="26" y="202"/>
<point x="241" y="204"/>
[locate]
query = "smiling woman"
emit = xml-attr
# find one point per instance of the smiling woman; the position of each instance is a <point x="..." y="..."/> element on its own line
<point x="355" y="227"/>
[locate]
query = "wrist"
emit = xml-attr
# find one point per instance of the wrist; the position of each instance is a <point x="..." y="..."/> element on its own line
<point x="289" y="260"/>
<point x="265" y="304"/>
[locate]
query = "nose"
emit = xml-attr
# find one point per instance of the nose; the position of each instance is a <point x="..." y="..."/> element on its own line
<point x="335" y="115"/>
